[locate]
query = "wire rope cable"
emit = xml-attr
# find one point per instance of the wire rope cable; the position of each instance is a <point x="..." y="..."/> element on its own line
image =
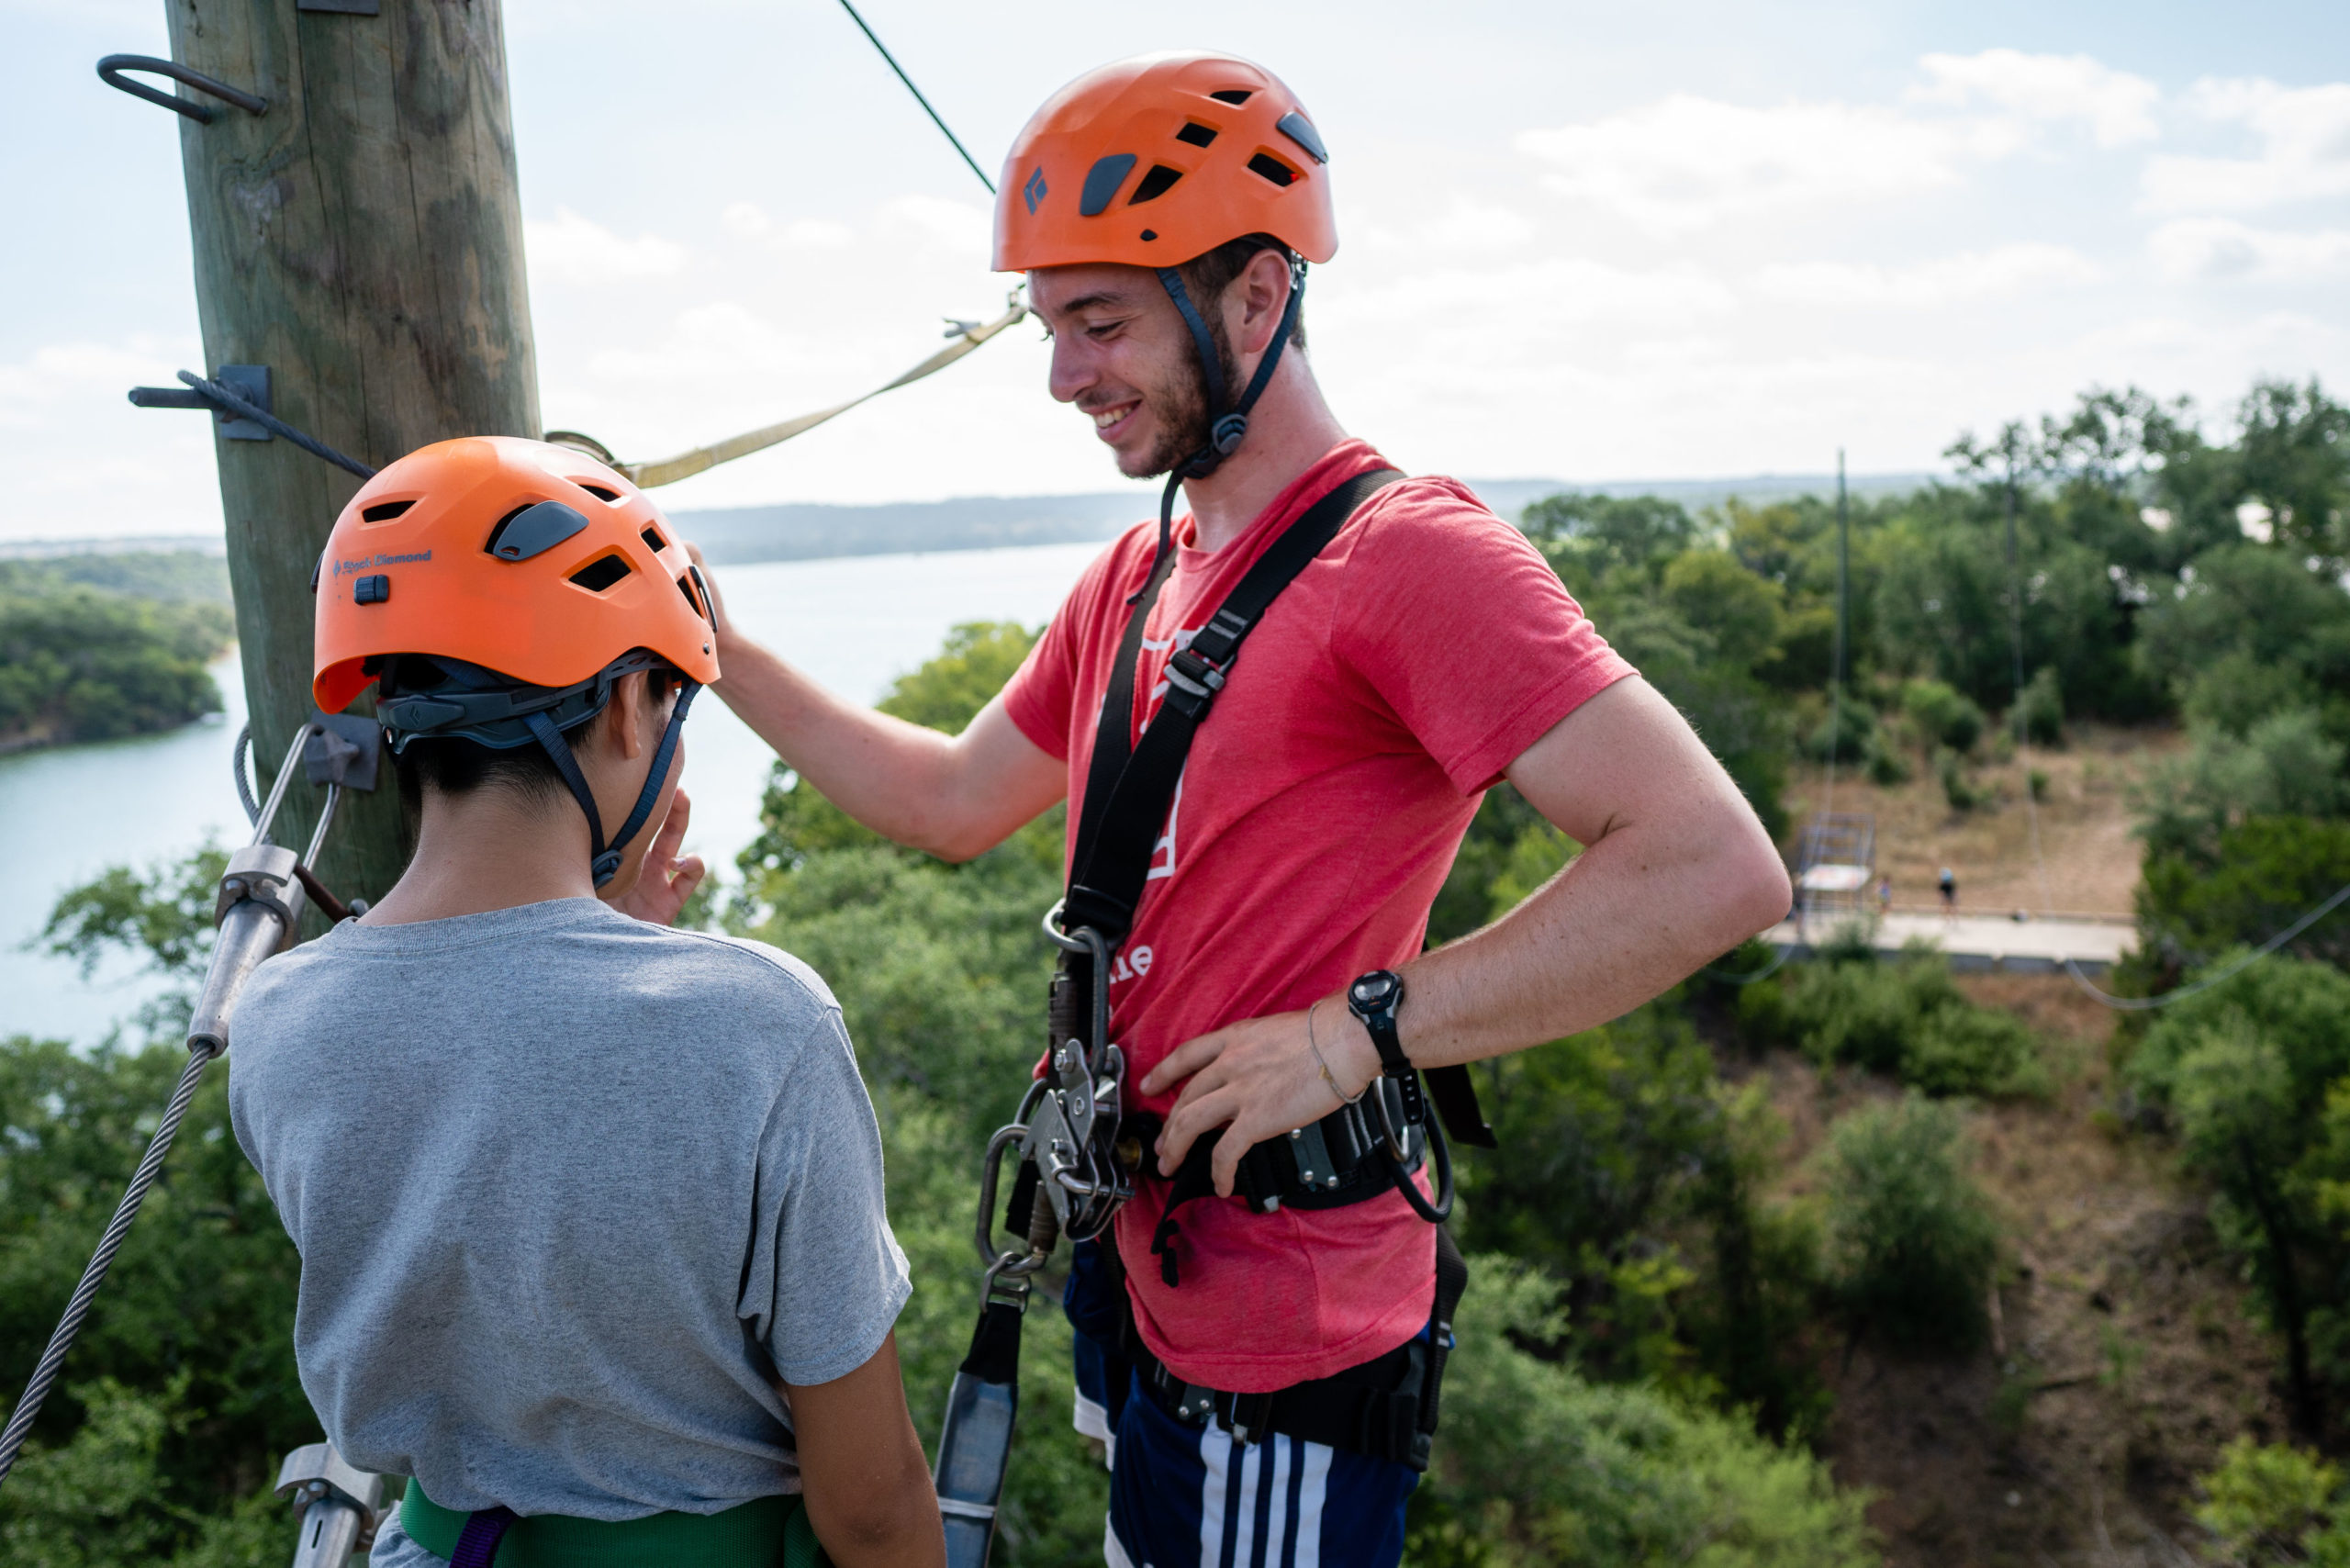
<point x="2031" y="817"/>
<point x="20" y="1421"/>
<point x="935" y="119"/>
<point x="239" y="760"/>
<point x="223" y="398"/>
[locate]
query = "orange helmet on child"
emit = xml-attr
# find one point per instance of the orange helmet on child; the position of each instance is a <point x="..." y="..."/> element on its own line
<point x="1153" y="161"/>
<point x="493" y="589"/>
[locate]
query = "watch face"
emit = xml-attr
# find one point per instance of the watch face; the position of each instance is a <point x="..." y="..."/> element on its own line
<point x="1374" y="989"/>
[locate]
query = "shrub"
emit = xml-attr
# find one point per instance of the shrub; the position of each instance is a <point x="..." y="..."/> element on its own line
<point x="1942" y="714"/>
<point x="1537" y="1466"/>
<point x="1949" y="768"/>
<point x="1847" y="733"/>
<point x="2040" y="710"/>
<point x="1910" y="1237"/>
<point x="2273" y="1502"/>
<point x="1907" y="1019"/>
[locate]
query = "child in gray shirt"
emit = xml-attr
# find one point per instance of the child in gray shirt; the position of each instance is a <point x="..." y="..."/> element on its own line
<point x="589" y="1209"/>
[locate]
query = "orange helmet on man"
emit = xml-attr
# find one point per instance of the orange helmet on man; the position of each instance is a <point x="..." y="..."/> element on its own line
<point x="493" y="589"/>
<point x="1157" y="159"/>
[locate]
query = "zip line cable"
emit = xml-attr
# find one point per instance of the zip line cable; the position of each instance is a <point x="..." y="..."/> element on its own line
<point x="2031" y="815"/>
<point x="934" y="116"/>
<point x="20" y="1422"/>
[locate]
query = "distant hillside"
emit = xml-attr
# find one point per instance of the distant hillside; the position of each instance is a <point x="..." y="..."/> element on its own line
<point x="804" y="531"/>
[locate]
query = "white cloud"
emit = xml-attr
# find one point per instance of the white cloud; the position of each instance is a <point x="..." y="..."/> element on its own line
<point x="574" y="249"/>
<point x="959" y="225"/>
<point x="745" y="220"/>
<point x="2000" y="273"/>
<point x="2118" y="107"/>
<point x="748" y="221"/>
<point x="2304" y="135"/>
<point x="2194" y="250"/>
<point x="1683" y="162"/>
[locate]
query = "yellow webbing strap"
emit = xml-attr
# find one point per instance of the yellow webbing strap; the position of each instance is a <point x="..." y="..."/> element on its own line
<point x="669" y="470"/>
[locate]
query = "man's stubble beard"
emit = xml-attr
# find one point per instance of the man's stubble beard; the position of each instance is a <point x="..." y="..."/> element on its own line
<point x="1182" y="411"/>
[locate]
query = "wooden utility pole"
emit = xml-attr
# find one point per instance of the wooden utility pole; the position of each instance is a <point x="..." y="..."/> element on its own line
<point x="361" y="239"/>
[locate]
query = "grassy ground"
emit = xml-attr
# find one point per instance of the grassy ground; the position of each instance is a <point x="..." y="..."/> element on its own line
<point x="2084" y="822"/>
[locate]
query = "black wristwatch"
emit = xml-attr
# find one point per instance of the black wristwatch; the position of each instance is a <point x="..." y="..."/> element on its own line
<point x="1375" y="998"/>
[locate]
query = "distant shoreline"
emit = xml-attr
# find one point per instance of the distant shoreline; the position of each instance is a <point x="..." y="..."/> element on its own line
<point x="815" y="531"/>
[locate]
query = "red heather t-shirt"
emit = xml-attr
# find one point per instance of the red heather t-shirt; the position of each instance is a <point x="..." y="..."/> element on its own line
<point x="1385" y="689"/>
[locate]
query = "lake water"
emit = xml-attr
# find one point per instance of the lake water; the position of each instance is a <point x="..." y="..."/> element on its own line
<point x="855" y="623"/>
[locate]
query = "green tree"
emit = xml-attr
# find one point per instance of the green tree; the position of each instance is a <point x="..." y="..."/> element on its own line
<point x="1911" y="1239"/>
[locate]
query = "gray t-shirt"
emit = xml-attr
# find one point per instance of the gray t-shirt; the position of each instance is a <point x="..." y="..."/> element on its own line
<point x="568" y="1188"/>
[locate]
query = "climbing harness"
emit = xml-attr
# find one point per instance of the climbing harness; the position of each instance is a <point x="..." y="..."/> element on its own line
<point x="1078" y="1155"/>
<point x="260" y="905"/>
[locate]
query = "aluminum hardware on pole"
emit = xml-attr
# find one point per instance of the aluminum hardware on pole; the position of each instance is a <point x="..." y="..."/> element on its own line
<point x="336" y="1506"/>
<point x="111" y="69"/>
<point x="260" y="903"/>
<point x="221" y="397"/>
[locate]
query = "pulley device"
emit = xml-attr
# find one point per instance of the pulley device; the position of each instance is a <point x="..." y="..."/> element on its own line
<point x="262" y="897"/>
<point x="1079" y="1151"/>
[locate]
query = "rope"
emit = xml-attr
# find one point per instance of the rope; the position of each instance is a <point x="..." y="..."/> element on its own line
<point x="909" y="80"/>
<point x="214" y="392"/>
<point x="20" y="1424"/>
<point x="669" y="471"/>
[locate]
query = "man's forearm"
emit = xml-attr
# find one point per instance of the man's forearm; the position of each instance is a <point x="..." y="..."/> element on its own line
<point x="1632" y="917"/>
<point x="893" y="777"/>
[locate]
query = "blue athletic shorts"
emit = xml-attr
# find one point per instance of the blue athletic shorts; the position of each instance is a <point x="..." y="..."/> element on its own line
<point x="1187" y="1496"/>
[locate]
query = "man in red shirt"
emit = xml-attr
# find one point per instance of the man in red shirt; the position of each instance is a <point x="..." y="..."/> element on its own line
<point x="1270" y="974"/>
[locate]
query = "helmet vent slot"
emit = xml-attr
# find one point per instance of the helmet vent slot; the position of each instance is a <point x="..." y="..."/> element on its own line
<point x="1272" y="168"/>
<point x="1196" y="133"/>
<point x="686" y="589"/>
<point x="600" y="492"/>
<point x="598" y="575"/>
<point x="1102" y="183"/>
<point x="383" y="512"/>
<point x="528" y="530"/>
<point x="653" y="539"/>
<point x="1233" y="96"/>
<point x="1158" y="183"/>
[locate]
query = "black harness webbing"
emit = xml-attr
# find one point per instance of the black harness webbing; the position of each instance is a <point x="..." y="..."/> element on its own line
<point x="1128" y="787"/>
<point x="1128" y="791"/>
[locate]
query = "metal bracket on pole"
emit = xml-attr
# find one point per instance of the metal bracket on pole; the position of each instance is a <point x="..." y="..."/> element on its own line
<point x="111" y="69"/>
<point x="250" y="382"/>
<point x="338" y="1507"/>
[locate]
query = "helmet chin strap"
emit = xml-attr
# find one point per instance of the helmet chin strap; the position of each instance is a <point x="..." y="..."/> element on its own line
<point x="605" y="859"/>
<point x="1230" y="426"/>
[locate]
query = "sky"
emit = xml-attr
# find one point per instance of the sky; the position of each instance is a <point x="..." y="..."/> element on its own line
<point x="1585" y="241"/>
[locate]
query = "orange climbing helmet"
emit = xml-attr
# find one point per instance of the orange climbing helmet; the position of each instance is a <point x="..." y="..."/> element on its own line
<point x="532" y="560"/>
<point x="496" y="589"/>
<point x="1153" y="161"/>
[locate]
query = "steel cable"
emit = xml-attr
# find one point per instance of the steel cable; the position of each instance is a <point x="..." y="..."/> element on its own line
<point x="20" y="1422"/>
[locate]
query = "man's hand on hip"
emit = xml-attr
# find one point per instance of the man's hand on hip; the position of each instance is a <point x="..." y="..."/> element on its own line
<point x="1258" y="1080"/>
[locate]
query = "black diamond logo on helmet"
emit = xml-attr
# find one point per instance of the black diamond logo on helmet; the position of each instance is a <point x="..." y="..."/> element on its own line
<point x="1034" y="189"/>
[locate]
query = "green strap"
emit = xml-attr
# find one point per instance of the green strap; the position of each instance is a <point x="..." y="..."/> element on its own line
<point x="769" y="1533"/>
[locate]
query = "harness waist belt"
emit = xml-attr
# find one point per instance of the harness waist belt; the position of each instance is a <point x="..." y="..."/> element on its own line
<point x="766" y="1532"/>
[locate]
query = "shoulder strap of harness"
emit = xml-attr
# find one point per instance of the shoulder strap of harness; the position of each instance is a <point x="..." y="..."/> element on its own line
<point x="1128" y="787"/>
